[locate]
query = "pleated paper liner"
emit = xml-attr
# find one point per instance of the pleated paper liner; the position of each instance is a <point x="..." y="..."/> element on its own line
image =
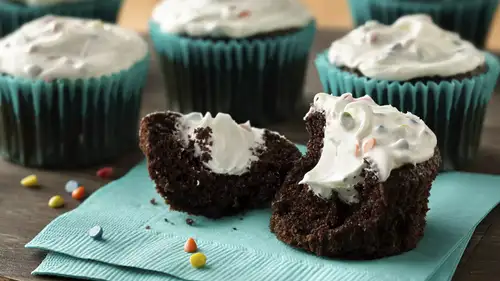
<point x="470" y="18"/>
<point x="70" y="123"/>
<point x="454" y="110"/>
<point x="259" y="80"/>
<point x="13" y="15"/>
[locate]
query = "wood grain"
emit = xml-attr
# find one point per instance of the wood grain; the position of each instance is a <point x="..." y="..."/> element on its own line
<point x="24" y="212"/>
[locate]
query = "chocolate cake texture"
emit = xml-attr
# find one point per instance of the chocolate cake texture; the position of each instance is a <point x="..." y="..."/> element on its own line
<point x="188" y="185"/>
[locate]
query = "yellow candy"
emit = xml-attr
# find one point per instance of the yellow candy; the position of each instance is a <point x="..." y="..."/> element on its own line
<point x="56" y="202"/>
<point x="198" y="260"/>
<point x="29" y="181"/>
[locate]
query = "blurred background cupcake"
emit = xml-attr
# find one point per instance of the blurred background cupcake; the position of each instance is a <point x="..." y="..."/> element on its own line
<point x="244" y="57"/>
<point x="14" y="13"/>
<point x="70" y="92"/>
<point x="470" y="18"/>
<point x="416" y="66"/>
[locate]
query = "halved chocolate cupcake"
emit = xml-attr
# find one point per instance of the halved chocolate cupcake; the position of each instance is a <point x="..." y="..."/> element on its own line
<point x="212" y="166"/>
<point x="362" y="189"/>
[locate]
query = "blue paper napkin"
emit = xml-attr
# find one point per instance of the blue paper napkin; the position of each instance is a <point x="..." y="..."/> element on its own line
<point x="143" y="241"/>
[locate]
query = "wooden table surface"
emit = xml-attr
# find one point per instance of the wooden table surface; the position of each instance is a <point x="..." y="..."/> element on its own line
<point x="24" y="212"/>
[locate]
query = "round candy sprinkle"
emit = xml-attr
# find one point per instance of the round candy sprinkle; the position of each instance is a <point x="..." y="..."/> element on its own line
<point x="71" y="186"/>
<point x="369" y="144"/>
<point x="30" y="181"/>
<point x="33" y="70"/>
<point x="347" y="121"/>
<point x="380" y="129"/>
<point x="56" y="202"/>
<point x="198" y="260"/>
<point x="105" y="172"/>
<point x="78" y="193"/>
<point x="190" y="246"/>
<point x="96" y="232"/>
<point x="372" y="37"/>
<point x="244" y="14"/>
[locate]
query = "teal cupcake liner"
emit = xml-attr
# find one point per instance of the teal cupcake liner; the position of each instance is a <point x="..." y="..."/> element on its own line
<point x="470" y="18"/>
<point x="260" y="79"/>
<point x="70" y="123"/>
<point x="454" y="109"/>
<point x="13" y="15"/>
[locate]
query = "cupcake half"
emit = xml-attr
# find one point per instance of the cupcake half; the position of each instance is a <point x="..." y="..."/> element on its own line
<point x="417" y="67"/>
<point x="362" y="189"/>
<point x="15" y="13"/>
<point x="70" y="92"/>
<point x="247" y="58"/>
<point x="213" y="166"/>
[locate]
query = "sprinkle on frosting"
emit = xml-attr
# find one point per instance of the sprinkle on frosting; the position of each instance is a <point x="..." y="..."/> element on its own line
<point x="410" y="48"/>
<point x="55" y="47"/>
<point x="231" y="146"/>
<point x="359" y="134"/>
<point x="230" y="18"/>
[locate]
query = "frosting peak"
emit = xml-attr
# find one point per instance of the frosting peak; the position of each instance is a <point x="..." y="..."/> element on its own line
<point x="229" y="18"/>
<point x="231" y="146"/>
<point x="53" y="47"/>
<point x="361" y="134"/>
<point x="411" y="47"/>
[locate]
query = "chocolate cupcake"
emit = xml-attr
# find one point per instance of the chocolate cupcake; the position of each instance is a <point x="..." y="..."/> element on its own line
<point x="213" y="166"/>
<point x="418" y="67"/>
<point x="15" y="13"/>
<point x="247" y="58"/>
<point x="361" y="191"/>
<point x="70" y="92"/>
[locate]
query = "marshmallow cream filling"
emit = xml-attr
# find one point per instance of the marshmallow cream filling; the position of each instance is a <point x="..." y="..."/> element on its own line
<point x="232" y="146"/>
<point x="359" y="134"/>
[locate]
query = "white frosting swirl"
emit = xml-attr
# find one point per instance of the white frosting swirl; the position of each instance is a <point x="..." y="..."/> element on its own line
<point x="229" y="18"/>
<point x="46" y="2"/>
<point x="233" y="145"/>
<point x="54" y="47"/>
<point x="357" y="130"/>
<point x="410" y="48"/>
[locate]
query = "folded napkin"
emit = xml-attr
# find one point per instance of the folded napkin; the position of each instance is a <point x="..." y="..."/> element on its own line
<point x="144" y="241"/>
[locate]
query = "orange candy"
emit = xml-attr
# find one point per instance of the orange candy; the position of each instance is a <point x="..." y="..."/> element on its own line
<point x="190" y="246"/>
<point x="369" y="144"/>
<point x="78" y="193"/>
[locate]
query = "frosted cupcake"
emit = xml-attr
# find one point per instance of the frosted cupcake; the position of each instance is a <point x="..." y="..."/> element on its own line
<point x="70" y="92"/>
<point x="14" y="13"/>
<point x="418" y="67"/>
<point x="362" y="189"/>
<point x="470" y="18"/>
<point x="247" y="58"/>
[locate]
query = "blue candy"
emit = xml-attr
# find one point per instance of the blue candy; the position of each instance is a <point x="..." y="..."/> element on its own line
<point x="71" y="186"/>
<point x="96" y="232"/>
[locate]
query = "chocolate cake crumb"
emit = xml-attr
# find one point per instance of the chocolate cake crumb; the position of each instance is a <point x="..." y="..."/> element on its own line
<point x="148" y="227"/>
<point x="234" y="228"/>
<point x="203" y="139"/>
<point x="389" y="219"/>
<point x="153" y="201"/>
<point x="175" y="169"/>
<point x="189" y="221"/>
<point x="166" y="220"/>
